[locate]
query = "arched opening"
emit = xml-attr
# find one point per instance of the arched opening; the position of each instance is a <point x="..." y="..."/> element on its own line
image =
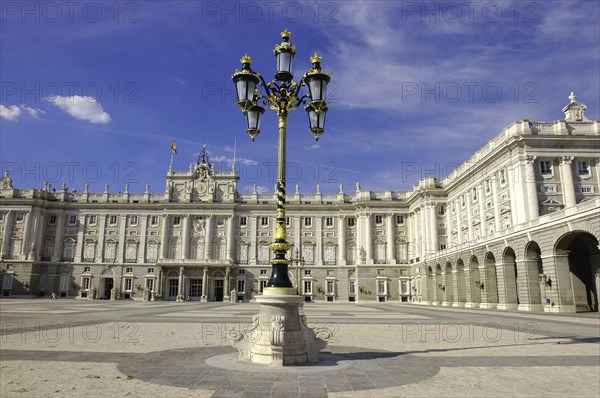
<point x="508" y="294"/>
<point x="448" y="286"/>
<point x="489" y="278"/>
<point x="581" y="251"/>
<point x="474" y="284"/>
<point x="461" y="295"/>
<point x="218" y="281"/>
<point x="107" y="283"/>
<point x="528" y="279"/>
<point x="172" y="280"/>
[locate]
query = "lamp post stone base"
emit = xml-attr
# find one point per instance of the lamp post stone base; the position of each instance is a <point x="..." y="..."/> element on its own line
<point x="278" y="335"/>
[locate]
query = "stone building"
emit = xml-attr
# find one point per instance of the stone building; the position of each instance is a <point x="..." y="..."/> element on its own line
<point x="516" y="226"/>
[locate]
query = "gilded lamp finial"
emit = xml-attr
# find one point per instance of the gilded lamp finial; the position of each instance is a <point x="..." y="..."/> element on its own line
<point x="246" y="59"/>
<point x="286" y="34"/>
<point x="316" y="59"/>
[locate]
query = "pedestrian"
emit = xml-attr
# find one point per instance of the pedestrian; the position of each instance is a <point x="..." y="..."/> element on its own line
<point x="53" y="297"/>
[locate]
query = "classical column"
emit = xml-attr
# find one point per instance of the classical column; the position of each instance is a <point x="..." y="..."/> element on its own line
<point x="480" y="197"/>
<point x="566" y="293"/>
<point x="469" y="215"/>
<point x="391" y="256"/>
<point x="122" y="242"/>
<point x="180" y="282"/>
<point x="80" y="247"/>
<point x="253" y="246"/>
<point x="58" y="236"/>
<point x="226" y="283"/>
<point x="495" y="203"/>
<point x="517" y="201"/>
<point x="458" y="221"/>
<point x="159" y="281"/>
<point x="507" y="289"/>
<point x="143" y="233"/>
<point x="320" y="248"/>
<point x="230" y="239"/>
<point x="530" y="295"/>
<point x="369" y="238"/>
<point x="164" y="238"/>
<point x="566" y="179"/>
<point x="531" y="188"/>
<point x="40" y="226"/>
<point x="101" y="235"/>
<point x="432" y="228"/>
<point x="208" y="248"/>
<point x="8" y="222"/>
<point x="456" y="299"/>
<point x="185" y="246"/>
<point x="341" y="240"/>
<point x="204" y="284"/>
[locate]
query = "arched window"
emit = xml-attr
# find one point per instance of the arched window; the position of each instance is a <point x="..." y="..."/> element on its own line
<point x="330" y="254"/>
<point x="351" y="254"/>
<point x="68" y="250"/>
<point x="199" y="249"/>
<point x="152" y="251"/>
<point x="110" y="252"/>
<point x="308" y="251"/>
<point x="264" y="253"/>
<point x="174" y="249"/>
<point x="243" y="253"/>
<point x="220" y="250"/>
<point x="90" y="250"/>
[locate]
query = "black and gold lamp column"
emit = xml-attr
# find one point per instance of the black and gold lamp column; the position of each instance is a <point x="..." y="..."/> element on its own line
<point x="282" y="95"/>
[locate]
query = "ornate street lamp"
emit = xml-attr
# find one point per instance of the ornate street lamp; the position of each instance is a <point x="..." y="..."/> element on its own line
<point x="282" y="95"/>
<point x="299" y="263"/>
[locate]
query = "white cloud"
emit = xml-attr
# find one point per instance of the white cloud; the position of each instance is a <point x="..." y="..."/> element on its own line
<point x="243" y="161"/>
<point x="14" y="112"/>
<point x="82" y="108"/>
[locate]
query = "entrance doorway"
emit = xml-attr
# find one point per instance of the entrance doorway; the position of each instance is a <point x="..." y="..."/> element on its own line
<point x="195" y="288"/>
<point x="219" y="290"/>
<point x="108" y="286"/>
<point x="173" y="289"/>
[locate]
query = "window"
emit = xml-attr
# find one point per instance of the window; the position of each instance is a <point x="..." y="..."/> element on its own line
<point x="400" y="220"/>
<point x="549" y="188"/>
<point x="68" y="250"/>
<point x="92" y="220"/>
<point x="243" y="221"/>
<point x="128" y="270"/>
<point x="307" y="221"/>
<point x="308" y="287"/>
<point x="150" y="270"/>
<point x="133" y="220"/>
<point x="19" y="216"/>
<point x="546" y="167"/>
<point x="241" y="272"/>
<point x="263" y="272"/>
<point x="352" y="287"/>
<point x="378" y="219"/>
<point x="111" y="250"/>
<point x="154" y="220"/>
<point x="487" y="186"/>
<point x="330" y="288"/>
<point x="442" y="246"/>
<point x="329" y="257"/>
<point x="329" y="221"/>
<point x="113" y="220"/>
<point x="351" y="222"/>
<point x="72" y="220"/>
<point x="263" y="284"/>
<point x="263" y="253"/>
<point x="241" y="286"/>
<point x="474" y="194"/>
<point x="52" y="220"/>
<point x="128" y="284"/>
<point x="85" y="283"/>
<point x="264" y="221"/>
<point x="381" y="287"/>
<point x="176" y="220"/>
<point x="150" y="284"/>
<point x="502" y="177"/>
<point x="307" y="272"/>
<point x="87" y="269"/>
<point x="152" y="251"/>
<point x="442" y="210"/>
<point x="220" y="221"/>
<point x="583" y="168"/>
<point x="587" y="189"/>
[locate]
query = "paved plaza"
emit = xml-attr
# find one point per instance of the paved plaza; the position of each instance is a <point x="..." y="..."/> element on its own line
<point x="62" y="348"/>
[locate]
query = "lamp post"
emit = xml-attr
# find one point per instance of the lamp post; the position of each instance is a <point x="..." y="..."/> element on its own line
<point x="279" y="335"/>
<point x="282" y="95"/>
<point x="298" y="262"/>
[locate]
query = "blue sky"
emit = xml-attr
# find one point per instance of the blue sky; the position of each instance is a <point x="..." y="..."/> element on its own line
<point x="94" y="92"/>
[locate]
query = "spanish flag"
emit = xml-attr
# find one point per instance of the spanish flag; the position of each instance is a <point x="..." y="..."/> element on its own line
<point x="173" y="147"/>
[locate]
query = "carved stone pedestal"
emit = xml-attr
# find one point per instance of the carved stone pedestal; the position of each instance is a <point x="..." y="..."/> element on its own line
<point x="278" y="336"/>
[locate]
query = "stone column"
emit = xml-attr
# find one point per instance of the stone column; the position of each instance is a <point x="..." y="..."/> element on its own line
<point x="486" y="295"/>
<point x="319" y="249"/>
<point x="159" y="282"/>
<point x="531" y="188"/>
<point x="122" y="241"/>
<point x="204" y="284"/>
<point x="143" y="235"/>
<point x="230" y="239"/>
<point x="495" y="202"/>
<point x="458" y="221"/>
<point x="8" y="222"/>
<point x="58" y="237"/>
<point x="480" y="198"/>
<point x="369" y="237"/>
<point x="560" y="290"/>
<point x="517" y="201"/>
<point x="529" y="287"/>
<point x="101" y="235"/>
<point x="341" y="239"/>
<point x="469" y="215"/>
<point x="456" y="300"/>
<point x="226" y="284"/>
<point x="507" y="289"/>
<point x="432" y="228"/>
<point x="566" y="180"/>
<point x="164" y="238"/>
<point x="180" y="283"/>
<point x="80" y="247"/>
<point x="40" y="226"/>
<point x="208" y="248"/>
<point x="185" y="245"/>
<point x="391" y="255"/>
<point x="252" y="248"/>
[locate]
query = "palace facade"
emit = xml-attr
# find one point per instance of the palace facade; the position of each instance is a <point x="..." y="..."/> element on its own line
<point x="516" y="227"/>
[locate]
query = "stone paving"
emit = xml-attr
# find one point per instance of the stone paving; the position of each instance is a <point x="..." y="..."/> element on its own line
<point x="75" y="348"/>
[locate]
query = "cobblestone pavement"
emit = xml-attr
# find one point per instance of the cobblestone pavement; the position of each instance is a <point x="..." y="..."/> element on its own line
<point x="75" y="348"/>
